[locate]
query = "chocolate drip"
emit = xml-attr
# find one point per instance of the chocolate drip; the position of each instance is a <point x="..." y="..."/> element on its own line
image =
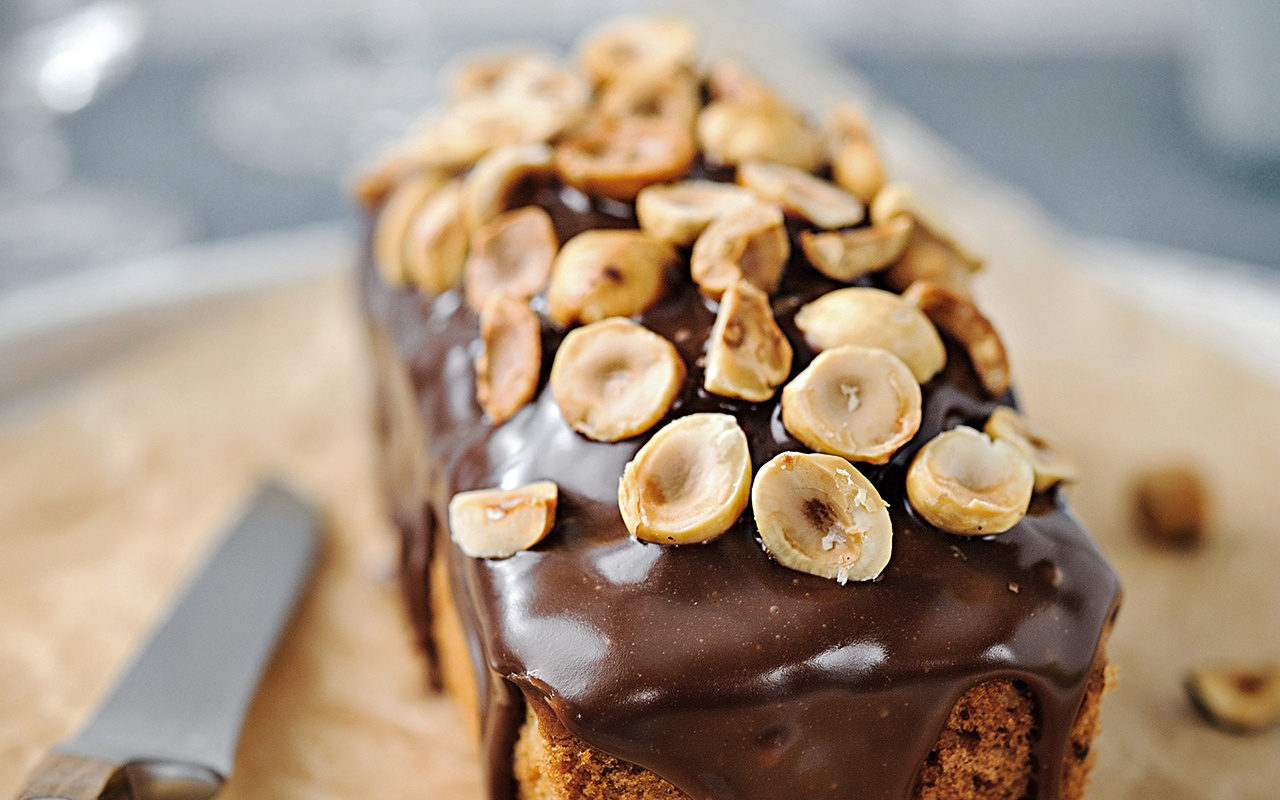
<point x="721" y="671"/>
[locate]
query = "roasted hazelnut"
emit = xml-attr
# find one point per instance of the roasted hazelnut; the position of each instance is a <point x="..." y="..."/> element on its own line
<point x="958" y="316"/>
<point x="511" y="254"/>
<point x="435" y="249"/>
<point x="1050" y="464"/>
<point x="508" y="369"/>
<point x="607" y="273"/>
<point x="493" y="523"/>
<point x="846" y="255"/>
<point x="748" y="356"/>
<point x="1237" y="699"/>
<point x="930" y="254"/>
<point x="392" y="228"/>
<point x="735" y="130"/>
<point x="679" y="212"/>
<point x="619" y="157"/>
<point x="855" y="164"/>
<point x="801" y="194"/>
<point x="487" y="190"/>
<point x="963" y="482"/>
<point x="672" y="98"/>
<point x="749" y="242"/>
<point x="1171" y="504"/>
<point x="648" y="46"/>
<point x="874" y="318"/>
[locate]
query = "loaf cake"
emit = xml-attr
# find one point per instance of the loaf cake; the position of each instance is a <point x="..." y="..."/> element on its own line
<point x="708" y="473"/>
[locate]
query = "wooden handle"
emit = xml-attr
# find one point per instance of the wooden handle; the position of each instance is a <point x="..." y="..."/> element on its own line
<point x="73" y="778"/>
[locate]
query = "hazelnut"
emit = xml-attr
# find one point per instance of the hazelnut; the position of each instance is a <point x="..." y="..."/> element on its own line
<point x="607" y="273"/>
<point x="617" y="157"/>
<point x="846" y="255"/>
<point x="651" y="46"/>
<point x="511" y="254"/>
<point x="958" y="316"/>
<point x="673" y="98"/>
<point x="728" y="79"/>
<point x="802" y="194"/>
<point x="929" y="254"/>
<point x="392" y="227"/>
<point x="817" y="514"/>
<point x="436" y="245"/>
<point x="614" y="379"/>
<point x="735" y="130"/>
<point x="855" y="165"/>
<point x="508" y="369"/>
<point x="1237" y="699"/>
<point x="748" y="242"/>
<point x="747" y="354"/>
<point x="963" y="482"/>
<point x="679" y="212"/>
<point x="689" y="483"/>
<point x="874" y="318"/>
<point x="491" y="74"/>
<point x="493" y="523"/>
<point x="1171" y="505"/>
<point x="1050" y="464"/>
<point x="487" y="190"/>
<point x="862" y="403"/>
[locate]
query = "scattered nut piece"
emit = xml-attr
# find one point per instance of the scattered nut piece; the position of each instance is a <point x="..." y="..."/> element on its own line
<point x="673" y="98"/>
<point x="1171" y="506"/>
<point x="487" y="189"/>
<point x="735" y="130"/>
<point x="748" y="242"/>
<point x="689" y="483"/>
<point x="619" y="157"/>
<point x="507" y="371"/>
<point x="652" y="46"/>
<point x="494" y="523"/>
<point x="801" y="193"/>
<point x="435" y="249"/>
<point x="679" y="212"/>
<point x="963" y="482"/>
<point x="614" y="379"/>
<point x="958" y="316"/>
<point x="862" y="403"/>
<point x="512" y="254"/>
<point x="747" y="356"/>
<point x="1050" y="464"/>
<point x="392" y="227"/>
<point x="817" y="514"/>
<point x="607" y="273"/>
<point x="874" y="318"/>
<point x="1240" y="700"/>
<point x="929" y="255"/>
<point x="846" y="255"/>
<point x="855" y="165"/>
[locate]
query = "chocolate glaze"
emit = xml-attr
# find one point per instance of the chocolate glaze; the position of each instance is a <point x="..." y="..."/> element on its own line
<point x="711" y="665"/>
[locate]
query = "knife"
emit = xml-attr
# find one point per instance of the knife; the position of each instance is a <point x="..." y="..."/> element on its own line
<point x="168" y="729"/>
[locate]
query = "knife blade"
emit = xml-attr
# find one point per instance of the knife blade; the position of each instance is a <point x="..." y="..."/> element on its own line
<point x="169" y="727"/>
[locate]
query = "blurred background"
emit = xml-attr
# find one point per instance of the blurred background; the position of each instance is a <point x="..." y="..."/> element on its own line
<point x="146" y="144"/>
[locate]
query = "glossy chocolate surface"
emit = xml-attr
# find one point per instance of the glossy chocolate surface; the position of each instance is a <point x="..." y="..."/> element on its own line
<point x="713" y="666"/>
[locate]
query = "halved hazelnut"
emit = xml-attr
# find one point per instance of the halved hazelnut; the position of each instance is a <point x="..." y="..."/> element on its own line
<point x="619" y="157"/>
<point x="735" y="130"/>
<point x="817" y="514"/>
<point x="1050" y="464"/>
<point x="1237" y="699"/>
<point x="1171" y="504"/>
<point x="958" y="316"/>
<point x="728" y="79"/>
<point x="607" y="273"/>
<point x="801" y="193"/>
<point x="494" y="523"/>
<point x="855" y="164"/>
<point x="435" y="248"/>
<point x="487" y="190"/>
<point x="392" y="227"/>
<point x="689" y="483"/>
<point x="846" y="255"/>
<point x="748" y="242"/>
<point x="673" y="98"/>
<point x="512" y="254"/>
<point x="747" y="354"/>
<point x="930" y="254"/>
<point x="489" y="74"/>
<point x="963" y="482"/>
<point x="679" y="212"/>
<point x="614" y="379"/>
<point x="645" y="45"/>
<point x="874" y="318"/>
<point x="862" y="403"/>
<point x="507" y="370"/>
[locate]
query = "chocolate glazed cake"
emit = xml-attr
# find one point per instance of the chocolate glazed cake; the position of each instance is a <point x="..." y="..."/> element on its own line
<point x="599" y="663"/>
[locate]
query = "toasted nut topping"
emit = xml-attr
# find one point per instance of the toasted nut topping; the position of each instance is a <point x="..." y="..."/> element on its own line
<point x="747" y="355"/>
<point x="489" y="74"/>
<point x="689" y="483"/>
<point x="732" y="131"/>
<point x="614" y="379"/>
<point x="604" y="273"/>
<point x="846" y="255"/>
<point x="673" y="98"/>
<point x="493" y="523"/>
<point x="512" y="254"/>
<point x="651" y="46"/>
<point x="800" y="193"/>
<point x="963" y="482"/>
<point x="436" y="245"/>
<point x="862" y="403"/>
<point x="1237" y="699"/>
<point x="392" y="227"/>
<point x="874" y="318"/>
<point x="678" y="212"/>
<point x="488" y="187"/>
<point x="958" y="316"/>
<point x="929" y="255"/>
<point x="855" y="165"/>
<point x="728" y="79"/>
<point x="1050" y="464"/>
<point x="817" y="514"/>
<point x="507" y="371"/>
<point x="619" y="157"/>
<point x="1171" y="506"/>
<point x="749" y="242"/>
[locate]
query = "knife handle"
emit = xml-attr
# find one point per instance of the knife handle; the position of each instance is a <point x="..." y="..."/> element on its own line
<point x="73" y="778"/>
